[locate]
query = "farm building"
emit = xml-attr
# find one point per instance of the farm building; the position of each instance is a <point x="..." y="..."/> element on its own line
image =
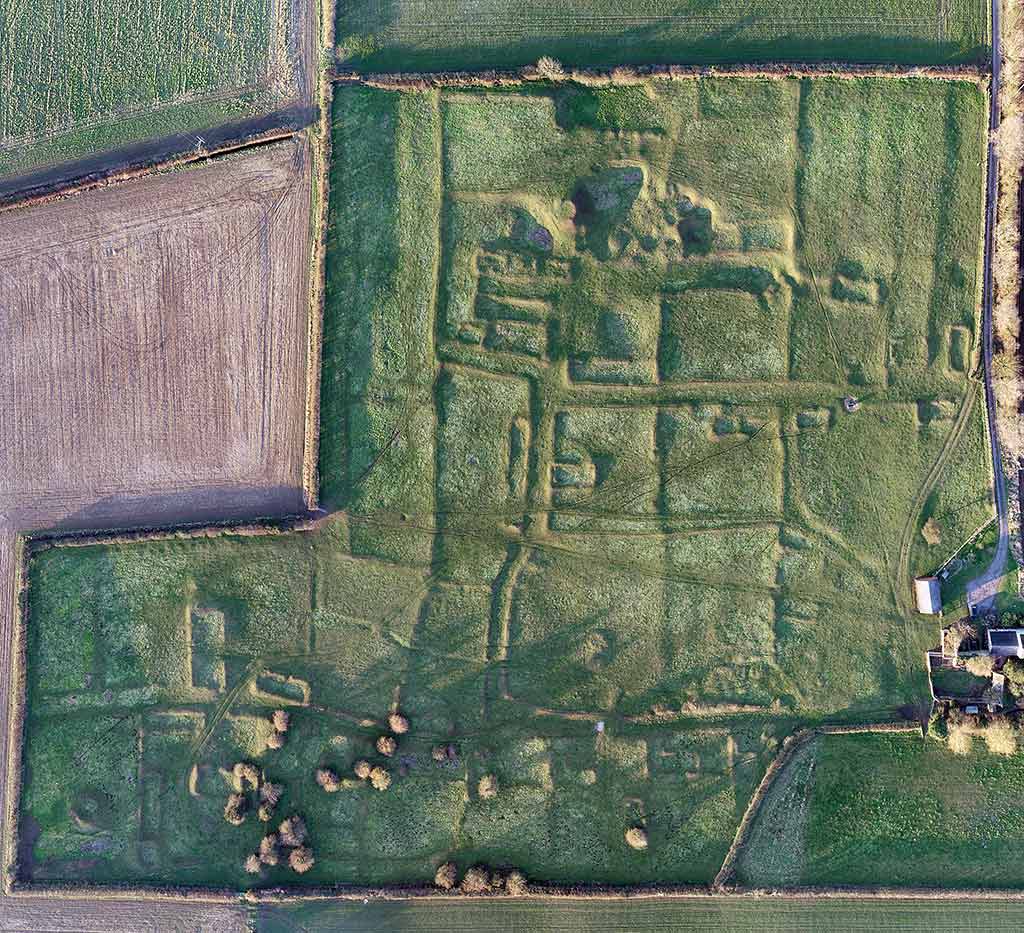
<point x="927" y="595"/>
<point x="1006" y="642"/>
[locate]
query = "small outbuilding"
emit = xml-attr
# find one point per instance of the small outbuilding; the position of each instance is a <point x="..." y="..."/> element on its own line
<point x="928" y="595"/>
<point x="1006" y="642"/>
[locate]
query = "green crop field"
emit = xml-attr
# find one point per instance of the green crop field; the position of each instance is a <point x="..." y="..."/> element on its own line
<point x="438" y="35"/>
<point x="696" y="914"/>
<point x="600" y="525"/>
<point x="78" y="78"/>
<point x="891" y="810"/>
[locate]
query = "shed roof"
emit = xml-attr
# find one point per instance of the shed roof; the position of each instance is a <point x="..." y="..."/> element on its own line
<point x="927" y="595"/>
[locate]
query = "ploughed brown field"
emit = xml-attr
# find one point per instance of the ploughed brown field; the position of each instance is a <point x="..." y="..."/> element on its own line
<point x="154" y="347"/>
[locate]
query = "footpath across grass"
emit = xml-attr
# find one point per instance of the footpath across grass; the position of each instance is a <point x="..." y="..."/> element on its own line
<point x="893" y="810"/>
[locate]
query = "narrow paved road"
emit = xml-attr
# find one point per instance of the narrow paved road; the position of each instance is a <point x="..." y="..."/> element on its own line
<point x="981" y="591"/>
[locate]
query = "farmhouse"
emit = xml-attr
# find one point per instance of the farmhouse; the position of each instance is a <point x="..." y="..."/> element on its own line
<point x="927" y="595"/>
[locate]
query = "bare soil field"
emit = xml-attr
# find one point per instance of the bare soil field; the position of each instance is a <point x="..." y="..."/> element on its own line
<point x="154" y="348"/>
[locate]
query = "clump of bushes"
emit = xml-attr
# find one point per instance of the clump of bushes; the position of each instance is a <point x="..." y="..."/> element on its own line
<point x="998" y="734"/>
<point x="443" y="753"/>
<point x="246" y="774"/>
<point x="292" y="832"/>
<point x="380" y="778"/>
<point x="270" y="794"/>
<point x="550" y="68"/>
<point x="446" y="876"/>
<point x="386" y="746"/>
<point x="301" y="859"/>
<point x="234" y="809"/>
<point x="476" y="880"/>
<point x="362" y="769"/>
<point x="398" y="724"/>
<point x="1013" y="670"/>
<point x="480" y="880"/>
<point x="636" y="838"/>
<point x="252" y="865"/>
<point x="980" y="665"/>
<point x="328" y="780"/>
<point x="515" y="883"/>
<point x="269" y="852"/>
<point x="280" y="721"/>
<point x="1000" y="737"/>
<point x="488" y="787"/>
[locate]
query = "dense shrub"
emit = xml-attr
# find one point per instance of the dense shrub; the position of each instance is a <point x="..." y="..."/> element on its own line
<point x="476" y="881"/>
<point x="292" y="831"/>
<point x="550" y="68"/>
<point x="281" y="720"/>
<point x="362" y="769"/>
<point x="328" y="780"/>
<point x="269" y="851"/>
<point x="439" y="753"/>
<point x="1014" y="671"/>
<point x="488" y="787"/>
<point x="380" y="778"/>
<point x="301" y="859"/>
<point x="270" y="794"/>
<point x="515" y="883"/>
<point x="1000" y="737"/>
<point x="980" y="665"/>
<point x="636" y="838"/>
<point x="252" y="865"/>
<point x="234" y="809"/>
<point x="275" y="740"/>
<point x="246" y="774"/>
<point x="386" y="745"/>
<point x="398" y="724"/>
<point x="446" y="876"/>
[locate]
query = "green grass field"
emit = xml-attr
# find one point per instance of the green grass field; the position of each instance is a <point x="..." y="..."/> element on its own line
<point x="80" y="78"/>
<point x="439" y="35"/>
<point x="583" y="442"/>
<point x="891" y="810"/>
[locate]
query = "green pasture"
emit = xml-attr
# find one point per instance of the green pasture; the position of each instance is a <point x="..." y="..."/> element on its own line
<point x="586" y="457"/>
<point x="891" y="810"/>
<point x="78" y="78"/>
<point x="441" y="35"/>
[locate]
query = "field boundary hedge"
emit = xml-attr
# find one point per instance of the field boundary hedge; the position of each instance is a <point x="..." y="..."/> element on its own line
<point x="98" y="180"/>
<point x="635" y="74"/>
<point x="15" y="717"/>
<point x="321" y="149"/>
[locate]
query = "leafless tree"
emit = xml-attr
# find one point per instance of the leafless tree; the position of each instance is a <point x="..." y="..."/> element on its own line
<point x="446" y="876"/>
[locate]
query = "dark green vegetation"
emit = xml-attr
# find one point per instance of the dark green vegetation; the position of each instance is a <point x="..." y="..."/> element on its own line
<point x="965" y="566"/>
<point x="583" y="437"/>
<point x="438" y="35"/>
<point x="82" y="77"/>
<point x="698" y="914"/>
<point x="895" y="810"/>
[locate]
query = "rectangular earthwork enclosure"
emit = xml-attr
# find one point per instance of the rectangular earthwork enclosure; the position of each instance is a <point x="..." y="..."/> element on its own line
<point x="582" y="428"/>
